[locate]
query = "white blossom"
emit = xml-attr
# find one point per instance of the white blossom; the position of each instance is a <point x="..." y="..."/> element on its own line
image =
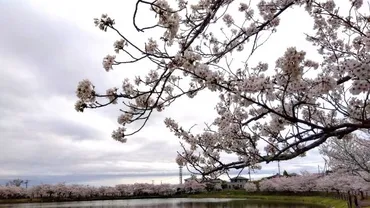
<point x="108" y="62"/>
<point x="119" y="45"/>
<point x="85" y="91"/>
<point x="151" y="46"/>
<point x="104" y="22"/>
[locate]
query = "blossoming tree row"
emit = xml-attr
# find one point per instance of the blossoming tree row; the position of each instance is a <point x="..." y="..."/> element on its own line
<point x="334" y="182"/>
<point x="63" y="191"/>
<point x="337" y="182"/>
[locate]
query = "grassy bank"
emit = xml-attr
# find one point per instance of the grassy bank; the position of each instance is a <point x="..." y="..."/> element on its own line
<point x="317" y="200"/>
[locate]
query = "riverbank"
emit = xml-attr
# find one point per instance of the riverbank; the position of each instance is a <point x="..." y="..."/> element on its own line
<point x="45" y="200"/>
<point x="316" y="200"/>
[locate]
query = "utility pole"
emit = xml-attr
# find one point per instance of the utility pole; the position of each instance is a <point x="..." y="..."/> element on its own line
<point x="249" y="172"/>
<point x="180" y="174"/>
<point x="26" y="182"/>
<point x="279" y="167"/>
<point x="153" y="182"/>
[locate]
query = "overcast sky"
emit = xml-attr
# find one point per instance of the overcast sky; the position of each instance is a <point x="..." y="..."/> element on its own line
<point x="46" y="48"/>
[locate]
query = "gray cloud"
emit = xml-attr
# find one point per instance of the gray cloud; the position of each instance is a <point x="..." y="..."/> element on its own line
<point x="43" y="57"/>
<point x="52" y="49"/>
<point x="42" y="138"/>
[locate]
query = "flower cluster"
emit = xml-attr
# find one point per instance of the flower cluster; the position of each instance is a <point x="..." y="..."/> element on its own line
<point x="188" y="60"/>
<point x="108" y="62"/>
<point x="119" y="135"/>
<point x="180" y="160"/>
<point x="151" y="46"/>
<point x="125" y="118"/>
<point x="112" y="95"/>
<point x="243" y="7"/>
<point x="268" y="10"/>
<point x="128" y="88"/>
<point x="80" y="106"/>
<point x="255" y="84"/>
<point x="104" y="22"/>
<point x="362" y="71"/>
<point x="228" y="19"/>
<point x="118" y="45"/>
<point x="322" y="85"/>
<point x="85" y="91"/>
<point x="359" y="86"/>
<point x="357" y="3"/>
<point x="168" y="19"/>
<point x="291" y="63"/>
<point x="366" y="41"/>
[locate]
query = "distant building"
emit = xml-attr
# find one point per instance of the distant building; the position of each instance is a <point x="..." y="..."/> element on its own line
<point x="192" y="177"/>
<point x="237" y="182"/>
<point x="277" y="175"/>
<point x="206" y="180"/>
<point x="210" y="180"/>
<point x="214" y="181"/>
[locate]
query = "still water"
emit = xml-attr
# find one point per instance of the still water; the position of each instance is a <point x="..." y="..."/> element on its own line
<point x="160" y="203"/>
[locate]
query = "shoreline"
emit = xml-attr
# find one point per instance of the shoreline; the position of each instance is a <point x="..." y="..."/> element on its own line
<point x="318" y="200"/>
<point x="255" y="197"/>
<point x="51" y="200"/>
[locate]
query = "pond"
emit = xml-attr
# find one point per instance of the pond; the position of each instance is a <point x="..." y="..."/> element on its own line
<point x="162" y="203"/>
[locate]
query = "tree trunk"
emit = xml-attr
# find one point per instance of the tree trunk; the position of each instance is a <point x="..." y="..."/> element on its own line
<point x="356" y="202"/>
<point x="362" y="195"/>
<point x="349" y="200"/>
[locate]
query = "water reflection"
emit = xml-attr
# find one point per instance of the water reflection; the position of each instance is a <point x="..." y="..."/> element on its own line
<point x="161" y="203"/>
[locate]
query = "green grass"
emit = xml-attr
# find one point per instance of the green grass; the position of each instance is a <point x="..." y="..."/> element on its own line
<point x="316" y="200"/>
